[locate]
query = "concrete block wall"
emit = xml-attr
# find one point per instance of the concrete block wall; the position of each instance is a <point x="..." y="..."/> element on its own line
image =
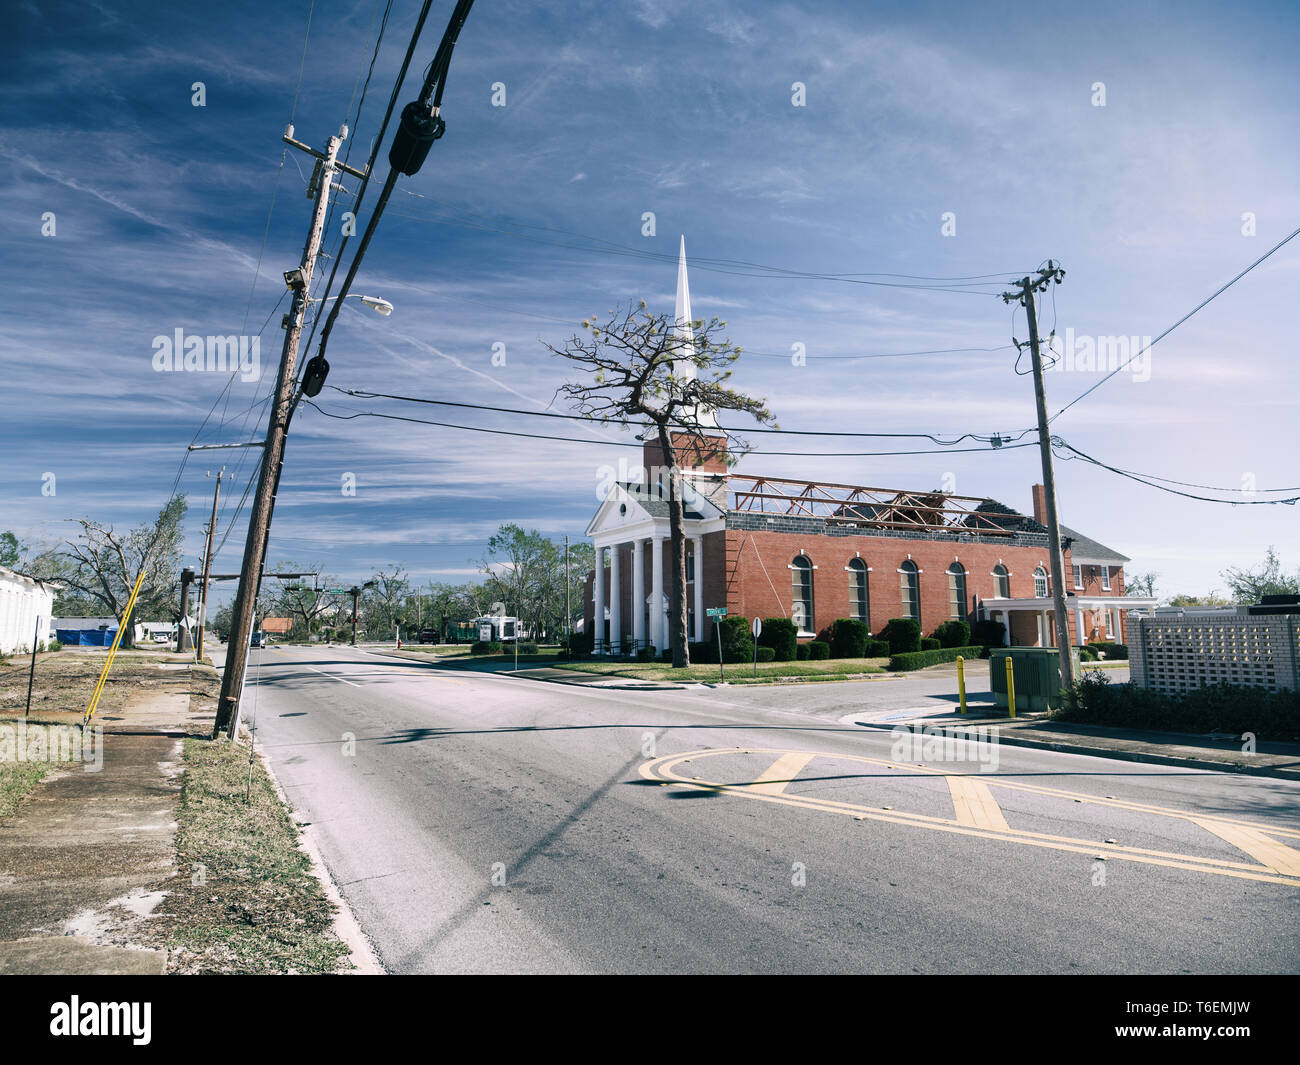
<point x="1178" y="654"/>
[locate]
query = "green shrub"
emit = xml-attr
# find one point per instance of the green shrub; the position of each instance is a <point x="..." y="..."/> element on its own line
<point x="848" y="638"/>
<point x="1087" y="654"/>
<point x="666" y="655"/>
<point x="934" y="657"/>
<point x="903" y="635"/>
<point x="803" y="652"/>
<point x="782" y="636"/>
<point x="482" y="647"/>
<point x="929" y="643"/>
<point x="1273" y="715"/>
<point x="818" y="650"/>
<point x="989" y="633"/>
<point x="953" y="634"/>
<point x="704" y="652"/>
<point x="527" y="647"/>
<point x="876" y="649"/>
<point x="737" y="640"/>
<point x="767" y="654"/>
<point x="645" y="654"/>
<point x="578" y="644"/>
<point x="1110" y="649"/>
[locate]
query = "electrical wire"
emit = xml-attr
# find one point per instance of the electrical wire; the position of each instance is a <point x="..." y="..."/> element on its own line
<point x="620" y="443"/>
<point x="1208" y="299"/>
<point x="738" y="268"/>
<point x="933" y="437"/>
<point x="1058" y="443"/>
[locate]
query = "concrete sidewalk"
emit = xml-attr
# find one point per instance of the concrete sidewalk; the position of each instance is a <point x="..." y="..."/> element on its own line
<point x="87" y="856"/>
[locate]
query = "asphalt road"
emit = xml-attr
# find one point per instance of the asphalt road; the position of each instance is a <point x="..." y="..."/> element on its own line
<point x="484" y="823"/>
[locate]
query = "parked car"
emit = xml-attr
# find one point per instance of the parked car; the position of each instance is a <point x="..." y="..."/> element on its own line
<point x="258" y="639"/>
<point x="160" y="637"/>
<point x="429" y="636"/>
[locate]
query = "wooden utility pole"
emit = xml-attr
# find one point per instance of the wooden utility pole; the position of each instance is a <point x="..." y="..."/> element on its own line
<point x="207" y="570"/>
<point x="568" y="604"/>
<point x="1026" y="288"/>
<point x="259" y="523"/>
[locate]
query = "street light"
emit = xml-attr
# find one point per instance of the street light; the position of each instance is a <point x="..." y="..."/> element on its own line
<point x="376" y="303"/>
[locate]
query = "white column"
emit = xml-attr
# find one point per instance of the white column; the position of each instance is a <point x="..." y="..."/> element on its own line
<point x="638" y="592"/>
<point x="656" y="634"/>
<point x="1080" y="633"/>
<point x="598" y="597"/>
<point x="698" y="543"/>
<point x="615" y="603"/>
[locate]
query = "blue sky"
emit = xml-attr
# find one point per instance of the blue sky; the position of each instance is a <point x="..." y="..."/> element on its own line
<point x="684" y="110"/>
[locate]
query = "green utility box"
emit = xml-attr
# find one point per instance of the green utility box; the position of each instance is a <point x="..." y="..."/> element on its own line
<point x="1037" y="672"/>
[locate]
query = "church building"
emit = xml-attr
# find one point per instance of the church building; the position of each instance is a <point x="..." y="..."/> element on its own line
<point x="815" y="551"/>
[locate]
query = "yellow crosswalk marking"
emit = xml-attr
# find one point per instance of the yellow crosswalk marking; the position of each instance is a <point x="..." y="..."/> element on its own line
<point x="978" y="814"/>
<point x="774" y="779"/>
<point x="974" y="804"/>
<point x="1267" y="851"/>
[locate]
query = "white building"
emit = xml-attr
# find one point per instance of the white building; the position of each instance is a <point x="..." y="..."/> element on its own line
<point x="26" y="607"/>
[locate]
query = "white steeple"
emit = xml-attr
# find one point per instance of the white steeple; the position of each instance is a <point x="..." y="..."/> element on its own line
<point x="684" y="331"/>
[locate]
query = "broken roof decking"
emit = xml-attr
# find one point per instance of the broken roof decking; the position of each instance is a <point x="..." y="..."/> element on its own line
<point x="876" y="508"/>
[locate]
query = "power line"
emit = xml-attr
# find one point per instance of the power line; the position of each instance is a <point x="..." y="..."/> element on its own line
<point x="934" y="437"/>
<point x="620" y="443"/>
<point x="733" y="267"/>
<point x="1214" y="295"/>
<point x="1142" y="479"/>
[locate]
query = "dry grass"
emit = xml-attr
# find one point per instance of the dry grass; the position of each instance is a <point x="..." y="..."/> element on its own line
<point x="245" y="899"/>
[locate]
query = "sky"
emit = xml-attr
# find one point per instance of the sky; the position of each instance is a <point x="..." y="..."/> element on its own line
<point x="1149" y="148"/>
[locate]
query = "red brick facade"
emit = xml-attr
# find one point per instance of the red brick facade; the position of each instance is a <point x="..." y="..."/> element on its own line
<point x="749" y="573"/>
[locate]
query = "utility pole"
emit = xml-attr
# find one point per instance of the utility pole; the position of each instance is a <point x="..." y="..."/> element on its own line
<point x="1026" y="287"/>
<point x="259" y="522"/>
<point x="207" y="570"/>
<point x="568" y="604"/>
<point x="182" y="630"/>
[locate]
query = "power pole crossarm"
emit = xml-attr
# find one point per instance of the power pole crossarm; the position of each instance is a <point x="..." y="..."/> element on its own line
<point x="1026" y="288"/>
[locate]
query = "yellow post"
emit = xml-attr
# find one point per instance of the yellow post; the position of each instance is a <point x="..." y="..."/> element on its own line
<point x="112" y="651"/>
<point x="1011" y="687"/>
<point x="961" y="683"/>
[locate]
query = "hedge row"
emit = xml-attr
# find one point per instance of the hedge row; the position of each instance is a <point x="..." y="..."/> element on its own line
<point x="1273" y="715"/>
<point x="921" y="659"/>
<point x="1110" y="649"/>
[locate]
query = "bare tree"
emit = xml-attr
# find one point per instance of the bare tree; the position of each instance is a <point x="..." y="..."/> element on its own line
<point x="647" y="367"/>
<point x="101" y="566"/>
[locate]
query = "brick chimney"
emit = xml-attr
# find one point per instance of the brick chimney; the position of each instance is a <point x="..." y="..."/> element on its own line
<point x="1040" y="504"/>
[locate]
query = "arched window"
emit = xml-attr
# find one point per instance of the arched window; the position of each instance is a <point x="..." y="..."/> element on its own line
<point x="859" y="607"/>
<point x="801" y="605"/>
<point x="1041" y="590"/>
<point x="957" y="591"/>
<point x="1001" y="583"/>
<point x="909" y="582"/>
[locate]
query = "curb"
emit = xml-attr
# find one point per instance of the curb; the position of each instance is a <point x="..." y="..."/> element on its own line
<point x="1208" y="765"/>
<point x="345" y="925"/>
